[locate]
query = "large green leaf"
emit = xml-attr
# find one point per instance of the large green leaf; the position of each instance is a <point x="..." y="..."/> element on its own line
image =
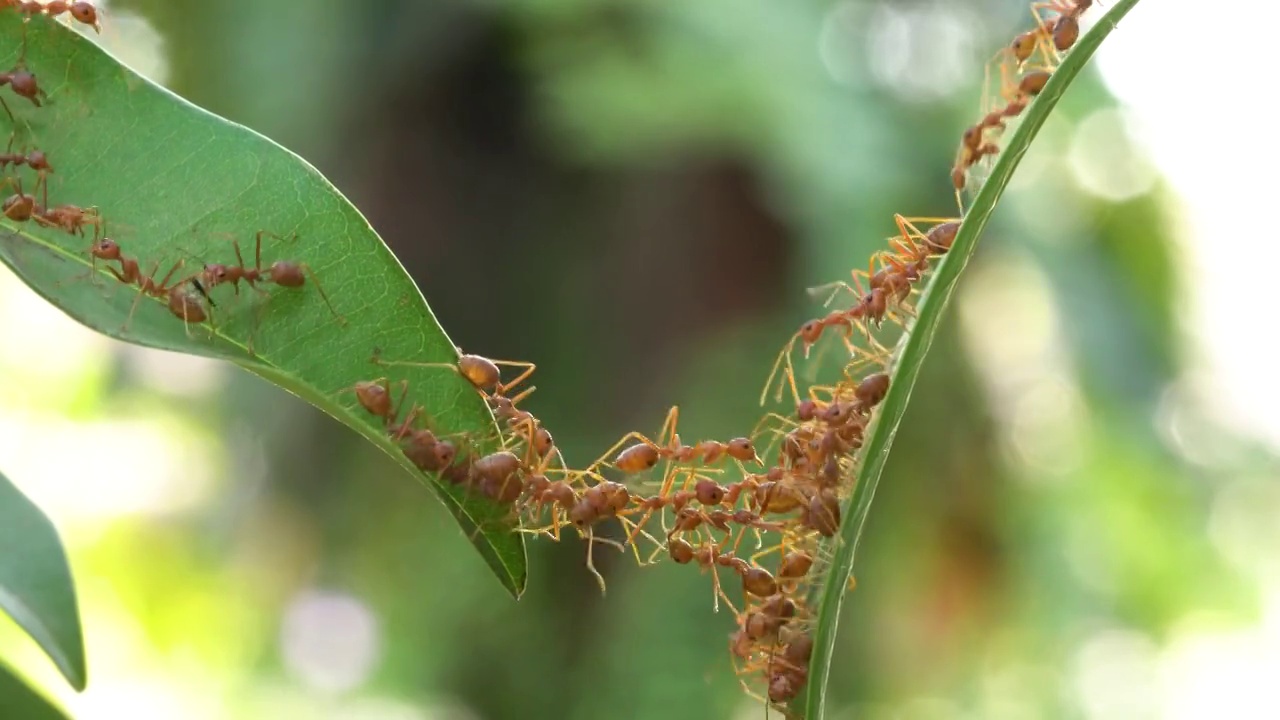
<point x="19" y="701"/>
<point x="35" y="583"/>
<point x="911" y="352"/>
<point x="174" y="183"/>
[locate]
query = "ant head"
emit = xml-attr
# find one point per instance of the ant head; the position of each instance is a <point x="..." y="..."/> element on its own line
<point x="85" y="12"/>
<point x="681" y="551"/>
<point x="106" y="249"/>
<point x="24" y="83"/>
<point x="741" y="449"/>
<point x="1023" y="45"/>
<point x="811" y="331"/>
<point x="216" y="273"/>
<point x="445" y="453"/>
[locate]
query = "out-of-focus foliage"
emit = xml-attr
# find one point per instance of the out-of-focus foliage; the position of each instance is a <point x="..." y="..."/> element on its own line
<point x="1065" y="530"/>
<point x="36" y="589"/>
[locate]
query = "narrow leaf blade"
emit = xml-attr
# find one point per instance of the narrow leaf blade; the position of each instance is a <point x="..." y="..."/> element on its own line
<point x="17" y="700"/>
<point x="913" y="349"/>
<point x="36" y="589"/>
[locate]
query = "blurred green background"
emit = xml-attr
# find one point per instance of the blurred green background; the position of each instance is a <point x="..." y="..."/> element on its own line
<point x="1081" y="520"/>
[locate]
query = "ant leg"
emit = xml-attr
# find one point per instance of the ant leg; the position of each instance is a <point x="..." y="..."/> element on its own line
<point x="835" y="287"/>
<point x="376" y="359"/>
<point x="789" y="376"/>
<point x="164" y="284"/>
<point x="668" y="430"/>
<point x="784" y="354"/>
<point x="404" y="392"/>
<point x="42" y="181"/>
<point x="407" y="425"/>
<point x="502" y="387"/>
<point x="213" y="328"/>
<point x="907" y="228"/>
<point x="12" y="118"/>
<point x="761" y="426"/>
<point x="141" y="293"/>
<point x="258" y="312"/>
<point x="906" y="248"/>
<point x="635" y="529"/>
<point x="591" y="564"/>
<point x="235" y="245"/>
<point x="523" y="394"/>
<point x="1001" y="60"/>
<point x="257" y="247"/>
<point x="319" y="288"/>
<point x="602" y="461"/>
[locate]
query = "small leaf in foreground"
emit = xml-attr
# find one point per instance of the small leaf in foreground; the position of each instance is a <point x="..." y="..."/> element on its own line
<point x="18" y="701"/>
<point x="36" y="589"/>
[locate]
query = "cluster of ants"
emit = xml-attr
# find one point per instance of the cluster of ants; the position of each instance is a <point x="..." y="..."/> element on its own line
<point x="678" y="504"/>
<point x="767" y="527"/>
<point x="1024" y="66"/>
<point x="187" y="298"/>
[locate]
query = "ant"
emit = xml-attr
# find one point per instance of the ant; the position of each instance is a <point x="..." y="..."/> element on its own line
<point x="179" y="298"/>
<point x="82" y="12"/>
<point x="180" y="301"/>
<point x="598" y="502"/>
<point x="1065" y="28"/>
<point x="285" y="273"/>
<point x="482" y="372"/>
<point x="71" y="218"/>
<point x="36" y="160"/>
<point x="24" y="85"/>
<point x="375" y="396"/>
<point x="646" y="453"/>
<point x="20" y="207"/>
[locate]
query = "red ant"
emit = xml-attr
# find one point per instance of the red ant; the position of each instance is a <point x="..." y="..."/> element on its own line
<point x="36" y="160"/>
<point x="24" y="85"/>
<point x="285" y="273"/>
<point x="180" y="301"/>
<point x="646" y="453"/>
<point x="82" y="12"/>
<point x="375" y="396"/>
<point x="20" y="207"/>
<point x="71" y="219"/>
<point x="482" y="372"/>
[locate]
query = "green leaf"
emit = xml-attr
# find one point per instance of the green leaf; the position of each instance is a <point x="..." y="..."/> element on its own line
<point x="19" y="701"/>
<point x="175" y="182"/>
<point x="913" y="348"/>
<point x="35" y="583"/>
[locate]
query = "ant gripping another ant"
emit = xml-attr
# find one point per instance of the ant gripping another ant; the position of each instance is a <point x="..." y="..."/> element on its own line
<point x="82" y="12"/>
<point x="178" y="297"/>
<point x="484" y="374"/>
<point x="72" y="219"/>
<point x="645" y="453"/>
<point x="36" y="160"/>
